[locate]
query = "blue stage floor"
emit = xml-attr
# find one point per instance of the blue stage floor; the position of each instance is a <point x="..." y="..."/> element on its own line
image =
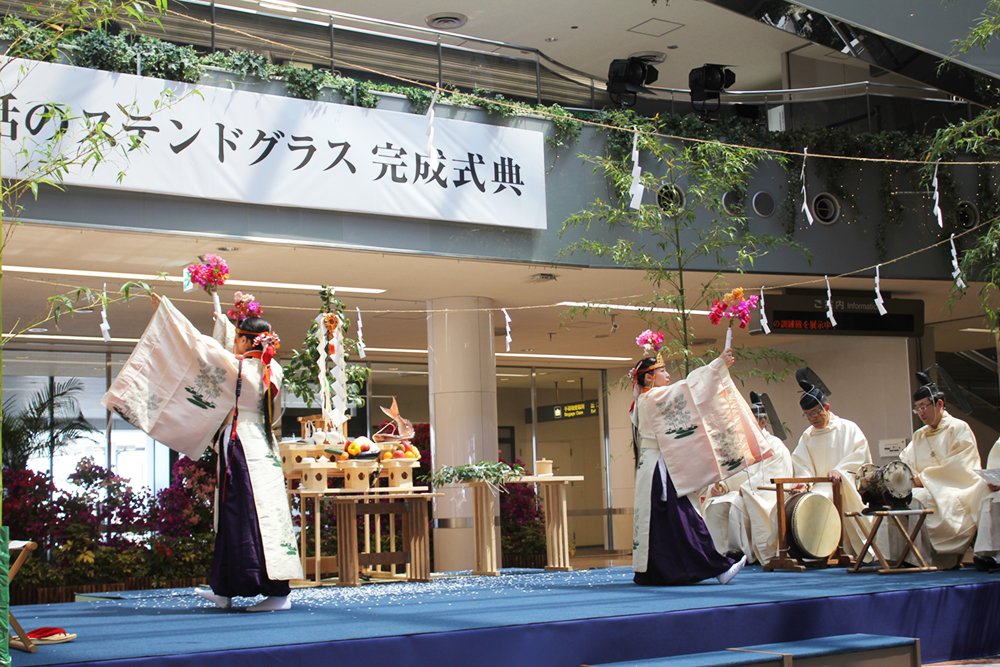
<point x="527" y="617"/>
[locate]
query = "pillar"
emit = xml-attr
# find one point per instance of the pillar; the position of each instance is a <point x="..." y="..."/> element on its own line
<point x="463" y="408"/>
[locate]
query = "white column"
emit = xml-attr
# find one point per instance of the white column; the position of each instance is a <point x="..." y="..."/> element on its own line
<point x="463" y="404"/>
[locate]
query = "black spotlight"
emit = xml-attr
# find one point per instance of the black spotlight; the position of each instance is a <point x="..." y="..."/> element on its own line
<point x="627" y="77"/>
<point x="707" y="83"/>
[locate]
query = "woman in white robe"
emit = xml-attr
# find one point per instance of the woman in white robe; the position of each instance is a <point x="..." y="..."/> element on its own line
<point x="178" y="387"/>
<point x="671" y="545"/>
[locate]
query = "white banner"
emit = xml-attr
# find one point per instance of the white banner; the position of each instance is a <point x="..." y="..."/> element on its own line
<point x="217" y="143"/>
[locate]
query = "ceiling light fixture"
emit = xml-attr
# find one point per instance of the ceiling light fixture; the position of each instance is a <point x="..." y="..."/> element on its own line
<point x="37" y="330"/>
<point x="280" y="5"/>
<point x="394" y="349"/>
<point x="97" y="339"/>
<point x="104" y="275"/>
<point x="615" y="306"/>
<point x="562" y="356"/>
<point x="978" y="330"/>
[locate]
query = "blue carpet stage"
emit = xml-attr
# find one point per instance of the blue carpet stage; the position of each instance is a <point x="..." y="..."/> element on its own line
<point x="526" y="618"/>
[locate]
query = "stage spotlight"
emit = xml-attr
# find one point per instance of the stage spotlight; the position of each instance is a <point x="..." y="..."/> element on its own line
<point x="707" y="83"/>
<point x="627" y="77"/>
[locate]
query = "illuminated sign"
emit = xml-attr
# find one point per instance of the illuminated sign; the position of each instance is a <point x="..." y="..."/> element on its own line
<point x="856" y="315"/>
<point x="551" y="413"/>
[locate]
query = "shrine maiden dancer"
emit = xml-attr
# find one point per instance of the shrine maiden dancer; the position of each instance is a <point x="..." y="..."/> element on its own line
<point x="187" y="391"/>
<point x="671" y="545"/>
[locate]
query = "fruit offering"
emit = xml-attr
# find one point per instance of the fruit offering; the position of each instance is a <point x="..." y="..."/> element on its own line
<point x="361" y="448"/>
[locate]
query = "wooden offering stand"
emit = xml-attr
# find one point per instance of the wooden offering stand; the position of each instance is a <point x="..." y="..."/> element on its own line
<point x="784" y="559"/>
<point x="556" y="523"/>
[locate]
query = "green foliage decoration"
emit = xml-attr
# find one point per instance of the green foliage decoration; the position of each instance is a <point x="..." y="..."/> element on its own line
<point x="301" y="373"/>
<point x="28" y="39"/>
<point x="101" y="50"/>
<point x="164" y="60"/>
<point x="50" y="420"/>
<point x="494" y="473"/>
<point x="302" y="83"/>
<point x="665" y="240"/>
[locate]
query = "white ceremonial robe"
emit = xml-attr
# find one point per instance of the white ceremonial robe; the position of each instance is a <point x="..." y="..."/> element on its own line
<point x="179" y="387"/>
<point x="709" y="422"/>
<point x="843" y="447"/>
<point x="761" y="504"/>
<point x="988" y="538"/>
<point x="744" y="518"/>
<point x="945" y="459"/>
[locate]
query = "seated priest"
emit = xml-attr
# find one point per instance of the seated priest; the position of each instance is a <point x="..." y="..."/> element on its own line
<point x="834" y="448"/>
<point x="741" y="516"/>
<point x="987" y="547"/>
<point x="943" y="457"/>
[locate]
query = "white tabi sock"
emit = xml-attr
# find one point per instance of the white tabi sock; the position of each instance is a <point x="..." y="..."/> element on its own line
<point x="272" y="603"/>
<point x="220" y="600"/>
<point x="728" y="575"/>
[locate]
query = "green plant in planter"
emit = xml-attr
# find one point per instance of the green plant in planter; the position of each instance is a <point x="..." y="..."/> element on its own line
<point x="28" y="39"/>
<point x="304" y="84"/>
<point x="354" y="92"/>
<point x="164" y="60"/>
<point x="301" y="374"/>
<point x="100" y="50"/>
<point x="242" y="62"/>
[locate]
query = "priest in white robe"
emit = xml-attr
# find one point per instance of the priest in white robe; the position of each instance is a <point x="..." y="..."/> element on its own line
<point x="834" y="448"/>
<point x="741" y="516"/>
<point x="987" y="547"/>
<point x="943" y="456"/>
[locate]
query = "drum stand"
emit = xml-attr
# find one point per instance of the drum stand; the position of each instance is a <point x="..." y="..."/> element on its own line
<point x="897" y="567"/>
<point x="783" y="560"/>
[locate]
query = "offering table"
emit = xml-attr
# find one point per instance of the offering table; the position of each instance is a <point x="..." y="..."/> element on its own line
<point x="556" y="525"/>
<point x="349" y="504"/>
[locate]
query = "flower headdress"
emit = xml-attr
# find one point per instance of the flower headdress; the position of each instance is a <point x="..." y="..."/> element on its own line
<point x="270" y="342"/>
<point x="244" y="307"/>
<point x="649" y="341"/>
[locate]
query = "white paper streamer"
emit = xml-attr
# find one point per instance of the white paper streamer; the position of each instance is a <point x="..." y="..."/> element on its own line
<point x="729" y="338"/>
<point x="105" y="327"/>
<point x="763" y="315"/>
<point x="829" y="303"/>
<point x="637" y="188"/>
<point x="361" y="337"/>
<point x="216" y="304"/>
<point x="956" y="270"/>
<point x="432" y="156"/>
<point x="937" y="197"/>
<point x="805" y="195"/>
<point x="324" y="351"/>
<point x="507" y="318"/>
<point x="879" y="303"/>
<point x="338" y="372"/>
